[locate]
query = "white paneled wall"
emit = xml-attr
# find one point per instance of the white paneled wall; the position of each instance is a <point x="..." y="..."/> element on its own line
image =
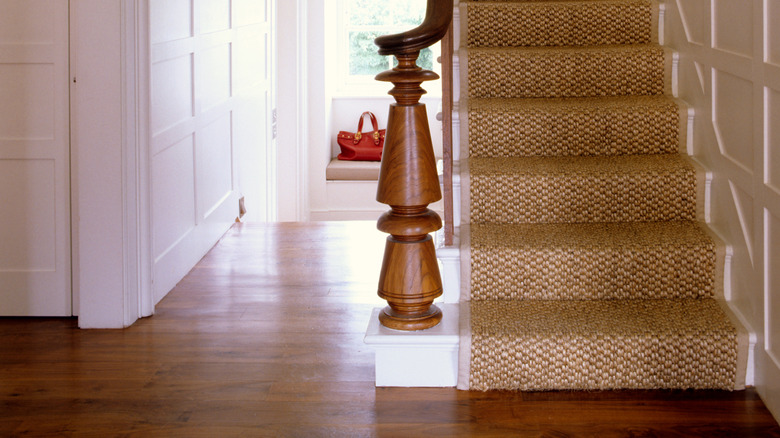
<point x="730" y="73"/>
<point x="210" y="125"/>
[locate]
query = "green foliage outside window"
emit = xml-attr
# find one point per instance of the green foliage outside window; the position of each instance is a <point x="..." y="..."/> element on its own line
<point x="363" y="56"/>
<point x="395" y="13"/>
<point x="368" y="19"/>
<point x="364" y="59"/>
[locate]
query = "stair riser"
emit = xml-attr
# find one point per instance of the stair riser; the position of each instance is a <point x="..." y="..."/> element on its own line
<point x="637" y="70"/>
<point x="554" y="198"/>
<point x="574" y="130"/>
<point x="561" y="24"/>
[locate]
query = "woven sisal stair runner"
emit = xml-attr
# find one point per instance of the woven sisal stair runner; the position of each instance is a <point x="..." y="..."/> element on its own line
<point x="588" y="265"/>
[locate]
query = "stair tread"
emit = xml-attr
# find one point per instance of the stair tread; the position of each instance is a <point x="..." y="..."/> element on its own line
<point x="560" y="22"/>
<point x="602" y="344"/>
<point x="567" y="104"/>
<point x="569" y="50"/>
<point x="581" y="166"/>
<point x="582" y="189"/>
<point x="536" y="1"/>
<point x="481" y="2"/>
<point x="587" y="317"/>
<point x="638" y="69"/>
<point x="542" y="3"/>
<point x="592" y="235"/>
<point x="623" y="260"/>
<point x="504" y="127"/>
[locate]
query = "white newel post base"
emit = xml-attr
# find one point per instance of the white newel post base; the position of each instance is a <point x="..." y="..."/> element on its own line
<point x="426" y="358"/>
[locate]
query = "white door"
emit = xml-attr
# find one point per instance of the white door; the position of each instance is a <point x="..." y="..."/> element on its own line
<point x="35" y="266"/>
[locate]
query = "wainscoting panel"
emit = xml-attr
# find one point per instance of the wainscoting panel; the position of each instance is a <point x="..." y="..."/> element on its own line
<point x="732" y="22"/>
<point x="772" y="140"/>
<point x="772" y="31"/>
<point x="772" y="286"/>
<point x="693" y="14"/>
<point x="732" y="114"/>
<point x="172" y="93"/>
<point x="202" y="161"/>
<point x="173" y="208"/>
<point x="733" y="50"/>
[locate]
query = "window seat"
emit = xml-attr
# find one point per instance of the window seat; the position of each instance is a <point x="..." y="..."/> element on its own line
<point x="339" y="170"/>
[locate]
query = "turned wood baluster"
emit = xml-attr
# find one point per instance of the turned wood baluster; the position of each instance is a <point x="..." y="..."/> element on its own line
<point x="408" y="183"/>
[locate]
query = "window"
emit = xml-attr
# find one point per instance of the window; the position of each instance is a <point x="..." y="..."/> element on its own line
<point x="360" y="22"/>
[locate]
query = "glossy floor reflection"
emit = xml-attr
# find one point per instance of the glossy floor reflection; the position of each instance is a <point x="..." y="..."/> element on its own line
<point x="265" y="338"/>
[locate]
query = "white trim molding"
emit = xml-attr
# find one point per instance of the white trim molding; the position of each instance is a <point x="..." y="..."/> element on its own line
<point x="109" y="119"/>
<point x="139" y="299"/>
<point x="292" y="109"/>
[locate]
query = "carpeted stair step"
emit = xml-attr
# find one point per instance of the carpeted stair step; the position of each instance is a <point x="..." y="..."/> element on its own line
<point x="586" y="267"/>
<point x="567" y="71"/>
<point x="561" y="23"/>
<point x="582" y="189"/>
<point x="603" y="344"/>
<point x="624" y="260"/>
<point x="575" y="126"/>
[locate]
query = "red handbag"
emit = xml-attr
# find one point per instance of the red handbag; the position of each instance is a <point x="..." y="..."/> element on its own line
<point x="359" y="146"/>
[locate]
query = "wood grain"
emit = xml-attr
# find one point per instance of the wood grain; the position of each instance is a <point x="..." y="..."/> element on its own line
<point x="438" y="16"/>
<point x="407" y="176"/>
<point x="447" y="53"/>
<point x="408" y="183"/>
<point x="236" y="350"/>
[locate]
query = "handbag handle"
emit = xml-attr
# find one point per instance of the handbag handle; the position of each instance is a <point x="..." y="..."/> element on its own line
<point x="359" y="133"/>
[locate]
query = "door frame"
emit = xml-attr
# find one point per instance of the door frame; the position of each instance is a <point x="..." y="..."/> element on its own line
<point x="110" y="197"/>
<point x="290" y="48"/>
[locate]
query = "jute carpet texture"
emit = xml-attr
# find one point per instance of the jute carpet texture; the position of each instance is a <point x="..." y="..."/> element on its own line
<point x="588" y="262"/>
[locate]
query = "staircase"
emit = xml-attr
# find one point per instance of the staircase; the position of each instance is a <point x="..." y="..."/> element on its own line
<point x="587" y="261"/>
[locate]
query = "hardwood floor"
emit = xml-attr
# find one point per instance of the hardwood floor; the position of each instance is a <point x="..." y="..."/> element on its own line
<point x="265" y="338"/>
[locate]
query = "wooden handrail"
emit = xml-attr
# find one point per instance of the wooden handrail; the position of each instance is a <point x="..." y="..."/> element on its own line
<point x="408" y="181"/>
<point x="438" y="17"/>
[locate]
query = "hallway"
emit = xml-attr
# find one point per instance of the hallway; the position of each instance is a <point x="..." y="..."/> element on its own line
<point x="265" y="338"/>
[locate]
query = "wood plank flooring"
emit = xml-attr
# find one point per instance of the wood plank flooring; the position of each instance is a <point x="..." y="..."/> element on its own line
<point x="265" y="338"/>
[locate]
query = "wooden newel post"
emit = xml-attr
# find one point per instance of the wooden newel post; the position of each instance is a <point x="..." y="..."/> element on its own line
<point x="408" y="183"/>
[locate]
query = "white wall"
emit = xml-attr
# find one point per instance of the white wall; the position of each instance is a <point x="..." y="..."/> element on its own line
<point x="210" y="125"/>
<point x="730" y="73"/>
